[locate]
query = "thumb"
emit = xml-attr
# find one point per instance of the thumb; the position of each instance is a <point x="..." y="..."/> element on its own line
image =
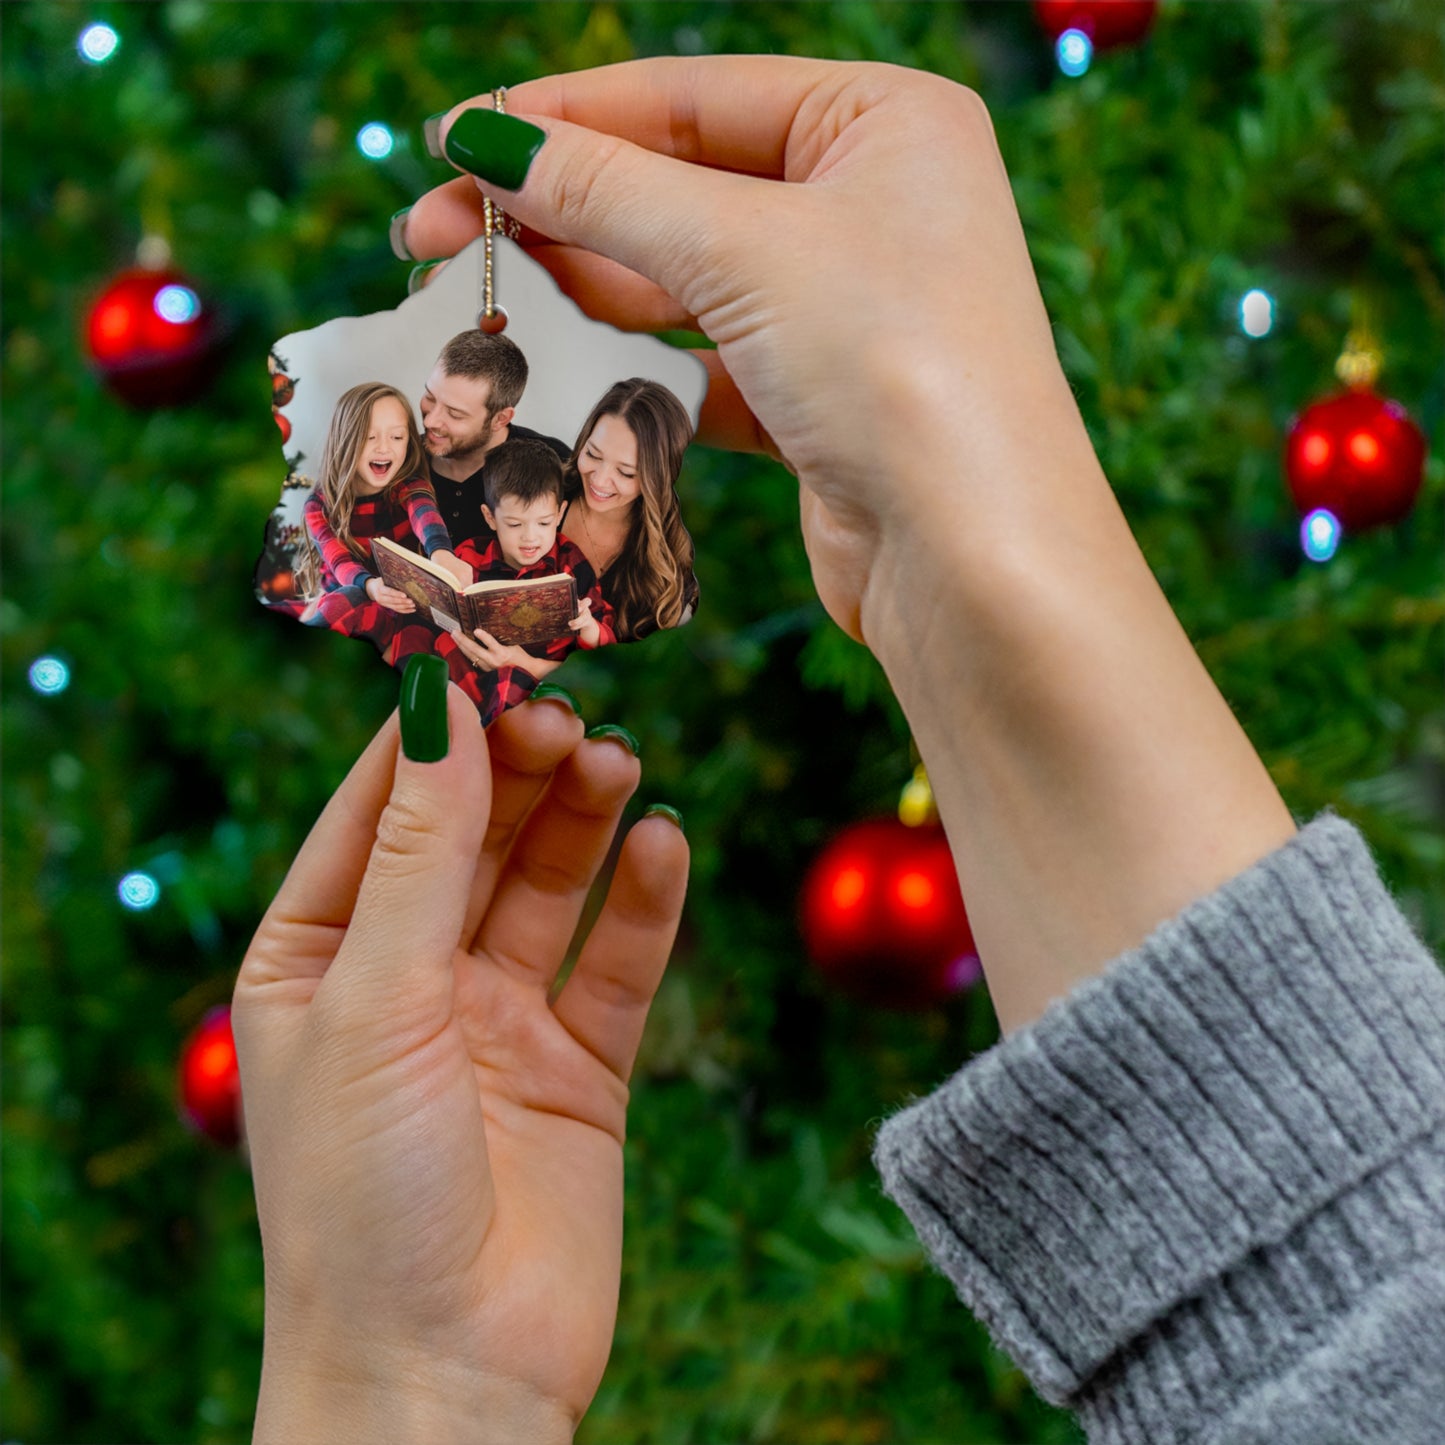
<point x="395" y="963"/>
<point x="663" y="218"/>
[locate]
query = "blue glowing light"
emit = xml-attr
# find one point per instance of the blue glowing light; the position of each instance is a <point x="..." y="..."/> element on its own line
<point x="1074" y="52"/>
<point x="138" y="891"/>
<point x="177" y="304"/>
<point x="1319" y="535"/>
<point x="97" y="43"/>
<point x="1256" y="313"/>
<point x="375" y="141"/>
<point x="49" y="675"/>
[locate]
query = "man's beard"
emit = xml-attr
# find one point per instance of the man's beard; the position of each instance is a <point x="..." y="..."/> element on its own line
<point x="469" y="446"/>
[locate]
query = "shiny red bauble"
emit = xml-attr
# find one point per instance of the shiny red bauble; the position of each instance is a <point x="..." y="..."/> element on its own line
<point x="210" y="1081"/>
<point x="883" y="918"/>
<point x="284" y="423"/>
<point x="152" y="338"/>
<point x="1359" y="456"/>
<point x="278" y="586"/>
<point x="1107" y="23"/>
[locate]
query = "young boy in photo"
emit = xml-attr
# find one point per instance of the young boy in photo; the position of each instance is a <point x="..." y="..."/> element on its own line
<point x="523" y="509"/>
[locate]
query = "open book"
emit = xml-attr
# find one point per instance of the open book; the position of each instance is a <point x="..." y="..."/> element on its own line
<point x="532" y="609"/>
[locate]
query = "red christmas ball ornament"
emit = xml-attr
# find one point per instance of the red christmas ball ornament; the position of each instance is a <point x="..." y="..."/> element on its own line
<point x="284" y="423"/>
<point x="151" y="337"/>
<point x="883" y="918"/>
<point x="283" y="388"/>
<point x="1107" y="23"/>
<point x="279" y="586"/>
<point x="1357" y="455"/>
<point x="210" y="1081"/>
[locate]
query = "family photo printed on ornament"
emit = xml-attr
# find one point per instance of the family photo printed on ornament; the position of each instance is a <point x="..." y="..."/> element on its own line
<point x="498" y="499"/>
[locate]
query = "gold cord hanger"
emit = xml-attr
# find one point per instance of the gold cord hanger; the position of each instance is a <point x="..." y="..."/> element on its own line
<point x="495" y="221"/>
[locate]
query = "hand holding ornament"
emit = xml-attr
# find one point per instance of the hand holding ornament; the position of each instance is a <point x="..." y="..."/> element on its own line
<point x="437" y="1144"/>
<point x="847" y="236"/>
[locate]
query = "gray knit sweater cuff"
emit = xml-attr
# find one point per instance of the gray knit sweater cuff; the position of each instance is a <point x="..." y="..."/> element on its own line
<point x="1215" y="1135"/>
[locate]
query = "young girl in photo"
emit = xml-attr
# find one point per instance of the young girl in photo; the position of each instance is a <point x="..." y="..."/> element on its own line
<point x="373" y="483"/>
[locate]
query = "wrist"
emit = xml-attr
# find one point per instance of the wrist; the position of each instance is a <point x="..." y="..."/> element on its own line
<point x="1092" y="779"/>
<point x="383" y="1396"/>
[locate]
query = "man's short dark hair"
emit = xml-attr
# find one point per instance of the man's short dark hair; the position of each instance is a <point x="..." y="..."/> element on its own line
<point x="496" y="359"/>
<point x="524" y="468"/>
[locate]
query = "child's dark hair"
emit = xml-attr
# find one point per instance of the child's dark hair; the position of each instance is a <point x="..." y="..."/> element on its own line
<point x="523" y="468"/>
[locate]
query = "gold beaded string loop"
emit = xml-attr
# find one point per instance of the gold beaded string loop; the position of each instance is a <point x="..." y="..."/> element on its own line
<point x="1359" y="363"/>
<point x="494" y="221"/>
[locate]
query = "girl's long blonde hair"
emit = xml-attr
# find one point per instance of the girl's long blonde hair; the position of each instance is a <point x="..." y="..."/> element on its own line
<point x="651" y="584"/>
<point x="337" y="485"/>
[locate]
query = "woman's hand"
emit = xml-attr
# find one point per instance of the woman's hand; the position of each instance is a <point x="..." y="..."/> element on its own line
<point x="391" y="597"/>
<point x="486" y="653"/>
<point x="655" y="202"/>
<point x="847" y="235"/>
<point x="437" y="1144"/>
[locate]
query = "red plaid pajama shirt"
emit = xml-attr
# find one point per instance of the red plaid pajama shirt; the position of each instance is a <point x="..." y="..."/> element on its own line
<point x="407" y="514"/>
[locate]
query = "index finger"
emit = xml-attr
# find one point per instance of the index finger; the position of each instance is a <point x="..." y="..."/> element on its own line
<point x="735" y="113"/>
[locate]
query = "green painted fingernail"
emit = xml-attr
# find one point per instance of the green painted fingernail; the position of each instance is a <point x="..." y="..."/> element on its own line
<point x="431" y="133"/>
<point x="424" y="708"/>
<point x="613" y="730"/>
<point x="396" y="234"/>
<point x="417" y="278"/>
<point x="662" y="810"/>
<point x="498" y="148"/>
<point x="550" y="689"/>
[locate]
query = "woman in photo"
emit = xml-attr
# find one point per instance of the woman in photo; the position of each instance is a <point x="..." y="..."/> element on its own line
<point x="623" y="511"/>
<point x="623" y="514"/>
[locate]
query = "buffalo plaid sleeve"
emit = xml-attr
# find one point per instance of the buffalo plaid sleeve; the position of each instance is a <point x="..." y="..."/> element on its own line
<point x="571" y="558"/>
<point x="337" y="560"/>
<point x="557" y="649"/>
<point x="514" y="685"/>
<point x="474" y="556"/>
<point x="426" y="521"/>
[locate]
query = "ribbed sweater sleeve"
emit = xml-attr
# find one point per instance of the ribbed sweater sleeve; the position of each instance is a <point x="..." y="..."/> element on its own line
<point x="1202" y="1199"/>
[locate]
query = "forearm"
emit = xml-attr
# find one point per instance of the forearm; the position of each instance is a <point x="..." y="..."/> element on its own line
<point x="427" y="523"/>
<point x="1092" y="779"/>
<point x="540" y="667"/>
<point x="337" y="559"/>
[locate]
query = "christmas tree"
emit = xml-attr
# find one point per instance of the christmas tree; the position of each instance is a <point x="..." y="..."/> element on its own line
<point x="168" y="741"/>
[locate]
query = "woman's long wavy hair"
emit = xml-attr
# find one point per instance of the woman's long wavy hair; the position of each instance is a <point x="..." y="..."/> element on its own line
<point x="337" y="485"/>
<point x="651" y="584"/>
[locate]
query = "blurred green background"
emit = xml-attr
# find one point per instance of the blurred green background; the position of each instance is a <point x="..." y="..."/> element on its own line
<point x="770" y="1292"/>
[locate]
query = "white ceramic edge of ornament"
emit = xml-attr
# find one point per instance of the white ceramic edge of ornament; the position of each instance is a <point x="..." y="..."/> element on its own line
<point x="572" y="359"/>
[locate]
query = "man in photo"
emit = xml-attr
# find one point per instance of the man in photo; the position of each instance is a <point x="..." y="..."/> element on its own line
<point x="466" y="411"/>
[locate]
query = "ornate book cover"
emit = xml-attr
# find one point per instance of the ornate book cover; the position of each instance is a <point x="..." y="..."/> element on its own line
<point x="534" y="609"/>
